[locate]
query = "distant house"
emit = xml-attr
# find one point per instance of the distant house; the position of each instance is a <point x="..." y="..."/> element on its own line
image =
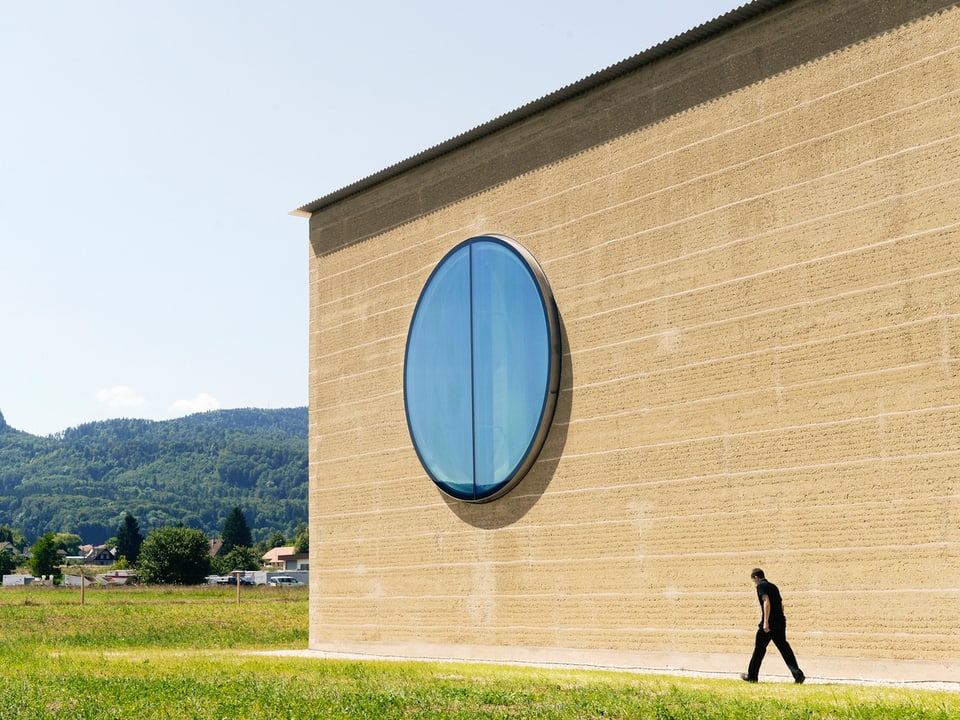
<point x="216" y="546"/>
<point x="286" y="558"/>
<point x="96" y="555"/>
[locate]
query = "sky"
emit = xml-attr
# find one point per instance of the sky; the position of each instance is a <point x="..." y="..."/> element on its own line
<point x="151" y="154"/>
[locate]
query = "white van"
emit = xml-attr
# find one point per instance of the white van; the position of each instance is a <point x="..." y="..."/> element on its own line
<point x="283" y="581"/>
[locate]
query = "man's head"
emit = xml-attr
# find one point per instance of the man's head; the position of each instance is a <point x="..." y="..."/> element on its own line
<point x="756" y="576"/>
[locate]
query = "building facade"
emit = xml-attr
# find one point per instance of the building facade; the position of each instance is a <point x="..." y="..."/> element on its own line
<point x="752" y="235"/>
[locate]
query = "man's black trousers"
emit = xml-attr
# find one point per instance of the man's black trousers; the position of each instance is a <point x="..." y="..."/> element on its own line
<point x="779" y="638"/>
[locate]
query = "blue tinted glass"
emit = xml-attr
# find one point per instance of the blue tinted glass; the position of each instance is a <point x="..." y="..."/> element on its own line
<point x="437" y="383"/>
<point x="511" y="356"/>
<point x="482" y="368"/>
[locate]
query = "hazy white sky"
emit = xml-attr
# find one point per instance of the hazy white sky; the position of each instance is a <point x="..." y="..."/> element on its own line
<point x="150" y="153"/>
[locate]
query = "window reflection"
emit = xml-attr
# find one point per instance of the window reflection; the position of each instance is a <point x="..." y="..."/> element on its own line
<point x="438" y="376"/>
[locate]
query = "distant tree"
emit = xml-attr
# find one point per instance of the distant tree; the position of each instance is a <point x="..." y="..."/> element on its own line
<point x="302" y="542"/>
<point x="68" y="542"/>
<point x="174" y="555"/>
<point x="7" y="562"/>
<point x="236" y="532"/>
<point x="129" y="539"/>
<point x="44" y="559"/>
<point x="240" y="558"/>
<point x="14" y="537"/>
<point x="275" y="540"/>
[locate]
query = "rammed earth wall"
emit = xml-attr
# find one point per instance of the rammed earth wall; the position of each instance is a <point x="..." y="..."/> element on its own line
<point x="754" y="244"/>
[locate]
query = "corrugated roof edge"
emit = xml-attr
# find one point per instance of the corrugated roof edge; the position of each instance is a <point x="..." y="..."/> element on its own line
<point x="674" y="45"/>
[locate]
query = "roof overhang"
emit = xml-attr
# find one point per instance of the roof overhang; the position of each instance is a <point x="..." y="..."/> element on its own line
<point x="697" y="35"/>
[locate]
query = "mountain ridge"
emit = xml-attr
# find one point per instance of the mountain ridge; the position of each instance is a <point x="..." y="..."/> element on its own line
<point x="192" y="471"/>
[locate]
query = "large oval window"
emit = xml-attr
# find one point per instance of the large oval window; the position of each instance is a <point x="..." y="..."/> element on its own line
<point x="482" y="368"/>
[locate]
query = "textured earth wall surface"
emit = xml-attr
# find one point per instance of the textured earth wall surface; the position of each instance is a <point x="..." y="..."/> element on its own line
<point x="760" y="303"/>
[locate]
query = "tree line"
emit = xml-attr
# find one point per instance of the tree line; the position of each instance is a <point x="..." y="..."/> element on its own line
<point x="187" y="472"/>
<point x="168" y="555"/>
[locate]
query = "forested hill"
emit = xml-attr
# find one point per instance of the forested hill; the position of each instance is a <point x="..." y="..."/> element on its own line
<point x="193" y="471"/>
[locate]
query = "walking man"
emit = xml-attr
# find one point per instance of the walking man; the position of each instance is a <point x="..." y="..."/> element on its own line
<point x="773" y="626"/>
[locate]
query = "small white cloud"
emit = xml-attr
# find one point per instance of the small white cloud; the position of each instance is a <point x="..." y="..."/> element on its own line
<point x="196" y="404"/>
<point x="119" y="397"/>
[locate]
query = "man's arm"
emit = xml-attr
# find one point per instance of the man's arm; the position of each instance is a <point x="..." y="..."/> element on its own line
<point x="766" y="613"/>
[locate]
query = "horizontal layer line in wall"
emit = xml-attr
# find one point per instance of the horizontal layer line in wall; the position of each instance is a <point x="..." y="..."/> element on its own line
<point x="809" y="221"/>
<point x="779" y="389"/>
<point x="951" y="409"/>
<point x="774" y="469"/>
<point x="406" y="309"/>
<point x="852" y="170"/>
<point x="724" y="477"/>
<point x="777" y="348"/>
<point x="639" y="596"/>
<point x="779" y="430"/>
<point x="878" y="375"/>
<point x="337" y="629"/>
<point x="734" y="319"/>
<point x="730" y="319"/>
<point x="373" y="571"/>
<point x="773" y="310"/>
<point x="627" y="527"/>
<point x="346" y="377"/>
<point x="699" y="145"/>
<point x="636" y="557"/>
<point x="324" y="357"/>
<point x="702" y="144"/>
<point x="340" y="404"/>
<point x="424" y="269"/>
<point x="420" y="271"/>
<point x="926" y="232"/>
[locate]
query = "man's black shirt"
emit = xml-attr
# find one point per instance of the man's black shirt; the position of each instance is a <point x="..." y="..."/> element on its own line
<point x="776" y="619"/>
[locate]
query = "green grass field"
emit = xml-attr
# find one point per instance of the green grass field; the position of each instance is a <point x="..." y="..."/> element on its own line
<point x="191" y="653"/>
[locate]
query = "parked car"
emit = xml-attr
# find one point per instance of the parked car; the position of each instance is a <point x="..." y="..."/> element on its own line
<point x="232" y="580"/>
<point x="283" y="581"/>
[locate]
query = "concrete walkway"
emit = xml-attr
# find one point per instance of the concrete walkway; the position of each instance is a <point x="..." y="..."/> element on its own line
<point x="844" y="671"/>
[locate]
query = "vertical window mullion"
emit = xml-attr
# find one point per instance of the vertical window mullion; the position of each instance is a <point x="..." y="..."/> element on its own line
<point x="473" y="370"/>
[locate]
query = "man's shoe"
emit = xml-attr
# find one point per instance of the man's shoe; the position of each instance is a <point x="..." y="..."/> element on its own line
<point x="747" y="678"/>
<point x="798" y="679"/>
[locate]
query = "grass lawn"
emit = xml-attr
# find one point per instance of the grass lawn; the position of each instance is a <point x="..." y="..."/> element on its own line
<point x="185" y="653"/>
